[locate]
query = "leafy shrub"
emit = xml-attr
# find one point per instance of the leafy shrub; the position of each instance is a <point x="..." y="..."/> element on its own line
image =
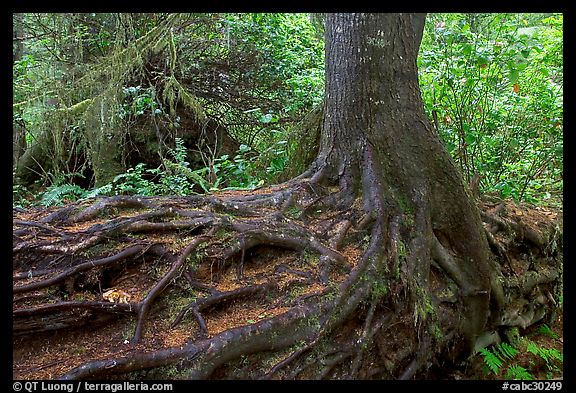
<point x="238" y="171"/>
<point x="134" y="182"/>
<point x="492" y="85"/>
<point x="20" y="195"/>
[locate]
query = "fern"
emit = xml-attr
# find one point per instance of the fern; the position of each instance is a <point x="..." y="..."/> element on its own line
<point x="545" y="330"/>
<point x="518" y="372"/>
<point x="55" y="195"/>
<point x="491" y="360"/>
<point x="104" y="190"/>
<point x="179" y="176"/>
<point x="507" y="350"/>
<point x="547" y="354"/>
<point x="495" y="357"/>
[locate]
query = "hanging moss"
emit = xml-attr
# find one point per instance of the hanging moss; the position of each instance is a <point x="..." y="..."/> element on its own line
<point x="92" y="107"/>
<point x="175" y="93"/>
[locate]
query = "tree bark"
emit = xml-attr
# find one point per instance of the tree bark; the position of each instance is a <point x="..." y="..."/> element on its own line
<point x="378" y="143"/>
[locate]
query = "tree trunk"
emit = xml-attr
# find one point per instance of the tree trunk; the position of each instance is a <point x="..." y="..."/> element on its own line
<point x="373" y="263"/>
<point x="378" y="143"/>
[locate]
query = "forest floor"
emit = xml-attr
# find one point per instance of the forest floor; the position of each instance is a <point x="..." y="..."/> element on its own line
<point x="48" y="355"/>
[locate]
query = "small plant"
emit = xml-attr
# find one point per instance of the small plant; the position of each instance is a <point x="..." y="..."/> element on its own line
<point x="551" y="356"/>
<point x="178" y="178"/>
<point x="239" y="171"/>
<point x="518" y="372"/>
<point x="19" y="194"/>
<point x="503" y="359"/>
<point x="495" y="357"/>
<point x="58" y="194"/>
<point x="134" y="181"/>
<point x="545" y="330"/>
<point x="137" y="101"/>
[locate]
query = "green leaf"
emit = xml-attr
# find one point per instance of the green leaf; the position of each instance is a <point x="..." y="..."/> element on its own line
<point x="467" y="49"/>
<point x="491" y="360"/>
<point x="518" y="372"/>
<point x="513" y="75"/>
<point x="267" y="118"/>
<point x="507" y="350"/>
<point x="481" y="61"/>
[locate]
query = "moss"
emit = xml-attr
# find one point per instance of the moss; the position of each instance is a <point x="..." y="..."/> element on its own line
<point x="405" y="205"/>
<point x="174" y="93"/>
<point x="293" y="212"/>
<point x="424" y="308"/>
<point x="437" y="331"/>
<point x="222" y="233"/>
<point x="167" y="372"/>
<point x="78" y="108"/>
<point x="312" y="322"/>
<point x="100" y="250"/>
<point x="379" y="289"/>
<point x="512" y="335"/>
<point x="449" y="292"/>
<point x="89" y="122"/>
<point x="128" y="331"/>
<point x="311" y="258"/>
<point x="401" y="249"/>
<point x="79" y="350"/>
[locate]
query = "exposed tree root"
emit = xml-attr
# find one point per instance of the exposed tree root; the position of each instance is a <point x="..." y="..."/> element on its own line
<point x="360" y="292"/>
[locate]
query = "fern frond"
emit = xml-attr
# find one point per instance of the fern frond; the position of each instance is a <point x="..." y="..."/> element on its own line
<point x="491" y="360"/>
<point x="546" y="354"/>
<point x="104" y="190"/>
<point x="55" y="195"/>
<point x="518" y="372"/>
<point x="547" y="331"/>
<point x="507" y="350"/>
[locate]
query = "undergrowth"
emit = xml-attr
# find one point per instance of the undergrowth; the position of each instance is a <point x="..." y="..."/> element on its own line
<point x="173" y="177"/>
<point x="525" y="359"/>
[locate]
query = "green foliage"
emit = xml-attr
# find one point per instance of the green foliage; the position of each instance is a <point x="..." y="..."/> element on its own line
<point x="137" y="101"/>
<point x="492" y="84"/>
<point x="104" y="190"/>
<point x="518" y="373"/>
<point x="504" y="358"/>
<point x="58" y="194"/>
<point x="135" y="182"/>
<point x="545" y="330"/>
<point x="20" y="195"/>
<point x="178" y="178"/>
<point x="492" y="360"/>
<point x="496" y="355"/>
<point x="549" y="355"/>
<point x="291" y="54"/>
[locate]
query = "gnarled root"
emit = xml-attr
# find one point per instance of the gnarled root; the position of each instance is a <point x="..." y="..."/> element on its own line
<point x="284" y="278"/>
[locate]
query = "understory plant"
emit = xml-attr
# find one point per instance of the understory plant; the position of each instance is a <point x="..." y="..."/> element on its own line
<point x="525" y="359"/>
